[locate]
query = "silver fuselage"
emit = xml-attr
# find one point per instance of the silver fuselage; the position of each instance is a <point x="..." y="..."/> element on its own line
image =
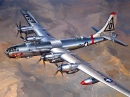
<point x="34" y="49"/>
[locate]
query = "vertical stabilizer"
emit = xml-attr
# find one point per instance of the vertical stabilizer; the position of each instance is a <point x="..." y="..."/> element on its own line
<point x="109" y="27"/>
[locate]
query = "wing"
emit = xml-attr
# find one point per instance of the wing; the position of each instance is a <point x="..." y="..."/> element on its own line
<point x="86" y="68"/>
<point x="104" y="79"/>
<point x="37" y="28"/>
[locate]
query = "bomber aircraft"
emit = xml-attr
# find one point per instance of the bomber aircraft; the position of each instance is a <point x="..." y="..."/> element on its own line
<point x="37" y="41"/>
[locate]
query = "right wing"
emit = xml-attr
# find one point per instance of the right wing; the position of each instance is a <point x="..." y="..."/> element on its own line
<point x="36" y="27"/>
<point x="104" y="79"/>
<point x="88" y="69"/>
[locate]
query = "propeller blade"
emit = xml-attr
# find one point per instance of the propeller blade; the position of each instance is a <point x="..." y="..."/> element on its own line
<point x="59" y="69"/>
<point x="16" y="25"/>
<point x="19" y="30"/>
<point x="61" y="73"/>
<point x="21" y="37"/>
<point x="56" y="64"/>
<point x="17" y="34"/>
<point x="56" y="72"/>
<point x="19" y="24"/>
<point x="44" y="63"/>
<point x="42" y="60"/>
<point x="39" y="60"/>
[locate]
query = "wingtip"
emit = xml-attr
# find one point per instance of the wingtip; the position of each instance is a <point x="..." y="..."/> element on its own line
<point x="23" y="10"/>
<point x="113" y="13"/>
<point x="126" y="45"/>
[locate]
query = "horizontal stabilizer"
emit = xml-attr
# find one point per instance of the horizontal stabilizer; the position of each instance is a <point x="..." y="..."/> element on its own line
<point x="120" y="42"/>
<point x="115" y="40"/>
<point x="95" y="29"/>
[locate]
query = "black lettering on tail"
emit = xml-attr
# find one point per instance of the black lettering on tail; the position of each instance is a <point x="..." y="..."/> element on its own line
<point x="110" y="25"/>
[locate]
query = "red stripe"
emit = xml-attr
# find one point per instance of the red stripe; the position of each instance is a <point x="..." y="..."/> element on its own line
<point x="92" y="38"/>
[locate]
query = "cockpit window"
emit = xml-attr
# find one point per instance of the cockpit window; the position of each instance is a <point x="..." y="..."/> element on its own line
<point x="12" y="49"/>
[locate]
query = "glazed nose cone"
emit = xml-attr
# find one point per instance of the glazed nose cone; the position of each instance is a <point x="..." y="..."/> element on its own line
<point x="7" y="53"/>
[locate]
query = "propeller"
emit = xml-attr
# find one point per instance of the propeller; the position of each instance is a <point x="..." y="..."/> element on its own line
<point x="42" y="58"/>
<point x="19" y="30"/>
<point x="56" y="64"/>
<point x="59" y="69"/>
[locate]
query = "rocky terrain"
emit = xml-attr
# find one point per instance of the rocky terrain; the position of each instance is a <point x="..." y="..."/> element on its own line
<point x="64" y="19"/>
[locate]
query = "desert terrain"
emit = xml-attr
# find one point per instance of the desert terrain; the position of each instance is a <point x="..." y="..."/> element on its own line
<point x="64" y="19"/>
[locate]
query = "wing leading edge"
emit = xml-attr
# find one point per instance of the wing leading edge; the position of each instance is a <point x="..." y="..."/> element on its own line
<point x="86" y="68"/>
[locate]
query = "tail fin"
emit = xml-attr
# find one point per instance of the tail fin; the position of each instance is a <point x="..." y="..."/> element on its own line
<point x="109" y="27"/>
<point x="108" y="31"/>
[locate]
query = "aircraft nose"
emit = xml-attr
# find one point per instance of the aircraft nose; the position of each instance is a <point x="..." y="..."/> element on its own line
<point x="7" y="53"/>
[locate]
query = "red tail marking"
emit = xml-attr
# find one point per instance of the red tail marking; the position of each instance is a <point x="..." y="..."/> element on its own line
<point x="92" y="38"/>
<point x="113" y="13"/>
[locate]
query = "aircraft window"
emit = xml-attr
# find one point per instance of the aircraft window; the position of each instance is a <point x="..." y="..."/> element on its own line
<point x="12" y="49"/>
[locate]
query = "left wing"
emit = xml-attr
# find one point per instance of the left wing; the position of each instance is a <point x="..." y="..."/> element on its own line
<point x="36" y="27"/>
<point x="86" y="68"/>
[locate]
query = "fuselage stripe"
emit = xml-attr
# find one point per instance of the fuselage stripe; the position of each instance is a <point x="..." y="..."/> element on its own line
<point x="92" y="38"/>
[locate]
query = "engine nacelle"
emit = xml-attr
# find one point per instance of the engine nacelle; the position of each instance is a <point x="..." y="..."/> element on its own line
<point x="53" y="58"/>
<point x="33" y="38"/>
<point x="68" y="68"/>
<point x="89" y="81"/>
<point x="26" y="28"/>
